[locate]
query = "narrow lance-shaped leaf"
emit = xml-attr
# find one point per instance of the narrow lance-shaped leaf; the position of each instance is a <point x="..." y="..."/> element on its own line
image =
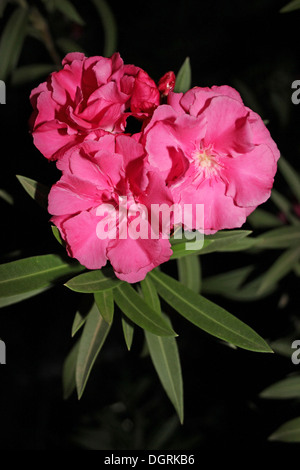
<point x="291" y="6"/>
<point x="69" y="370"/>
<point x="128" y="331"/>
<point x="212" y="243"/>
<point x="291" y="176"/>
<point x="286" y="388"/>
<point x="12" y="41"/>
<point x="92" y="339"/>
<point x="92" y="281"/>
<point x="37" y="272"/>
<point x="30" y="73"/>
<point x="207" y="315"/>
<point x="184" y="77"/>
<point x="68" y="9"/>
<point x="287" y="432"/>
<point x="282" y="266"/>
<point x="164" y="354"/>
<point x="139" y="312"/>
<point x="38" y="191"/>
<point x="263" y="219"/>
<point x="282" y="237"/>
<point x="109" y="26"/>
<point x="284" y="206"/>
<point x="105" y="303"/>
<point x="189" y="272"/>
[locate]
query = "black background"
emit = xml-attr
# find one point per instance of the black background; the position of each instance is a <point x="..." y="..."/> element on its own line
<point x="248" y="45"/>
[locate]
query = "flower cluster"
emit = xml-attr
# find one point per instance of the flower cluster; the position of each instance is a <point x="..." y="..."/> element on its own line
<point x="203" y="147"/>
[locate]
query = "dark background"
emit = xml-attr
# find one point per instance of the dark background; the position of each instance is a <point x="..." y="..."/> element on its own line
<point x="252" y="47"/>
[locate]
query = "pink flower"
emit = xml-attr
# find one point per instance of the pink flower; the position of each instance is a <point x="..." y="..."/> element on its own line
<point x="102" y="203"/>
<point x="144" y="93"/>
<point x="213" y="150"/>
<point x="88" y="98"/>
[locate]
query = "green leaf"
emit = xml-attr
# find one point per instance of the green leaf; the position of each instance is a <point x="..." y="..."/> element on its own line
<point x="68" y="10"/>
<point x="105" y="303"/>
<point x="184" y="77"/>
<point x="212" y="243"/>
<point x="37" y="272"/>
<point x="13" y="299"/>
<point x="189" y="272"/>
<point x="82" y="313"/>
<point x="12" y="40"/>
<point x="291" y="6"/>
<point x="282" y="237"/>
<point x="263" y="219"/>
<point x="286" y="388"/>
<point x="164" y="354"/>
<point x="3" y="5"/>
<point x="68" y="371"/>
<point x="92" y="281"/>
<point x="57" y="235"/>
<point x="30" y="73"/>
<point x="6" y="197"/>
<point x="291" y="176"/>
<point x="92" y="339"/>
<point x="67" y="45"/>
<point x="38" y="191"/>
<point x="282" y="266"/>
<point x="226" y="282"/>
<point x="128" y="331"/>
<point x="287" y="432"/>
<point x="139" y="312"/>
<point x="109" y="26"/>
<point x="284" y="206"/>
<point x="207" y="315"/>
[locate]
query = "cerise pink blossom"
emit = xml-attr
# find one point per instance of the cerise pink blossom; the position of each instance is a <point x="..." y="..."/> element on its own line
<point x="96" y="178"/>
<point x="87" y="98"/>
<point x="213" y="150"/>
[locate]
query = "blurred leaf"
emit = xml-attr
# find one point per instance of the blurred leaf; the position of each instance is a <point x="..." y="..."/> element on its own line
<point x="12" y="40"/>
<point x="13" y="299"/>
<point x="291" y="6"/>
<point x="3" y="5"/>
<point x="139" y="312"/>
<point x="207" y="315"/>
<point x="37" y="272"/>
<point x="92" y="281"/>
<point x="184" y="77"/>
<point x="282" y="237"/>
<point x="291" y="176"/>
<point x="212" y="243"/>
<point x="30" y="73"/>
<point x="263" y="219"/>
<point x="68" y="372"/>
<point x="189" y="272"/>
<point x="284" y="206"/>
<point x="105" y="303"/>
<point x="38" y="191"/>
<point x="67" y="9"/>
<point x="109" y="26"/>
<point x="287" y="432"/>
<point x="128" y="331"/>
<point x="67" y="45"/>
<point x="164" y="354"/>
<point x="282" y="266"/>
<point x="226" y="282"/>
<point x="286" y="388"/>
<point x="6" y="197"/>
<point x="92" y="339"/>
